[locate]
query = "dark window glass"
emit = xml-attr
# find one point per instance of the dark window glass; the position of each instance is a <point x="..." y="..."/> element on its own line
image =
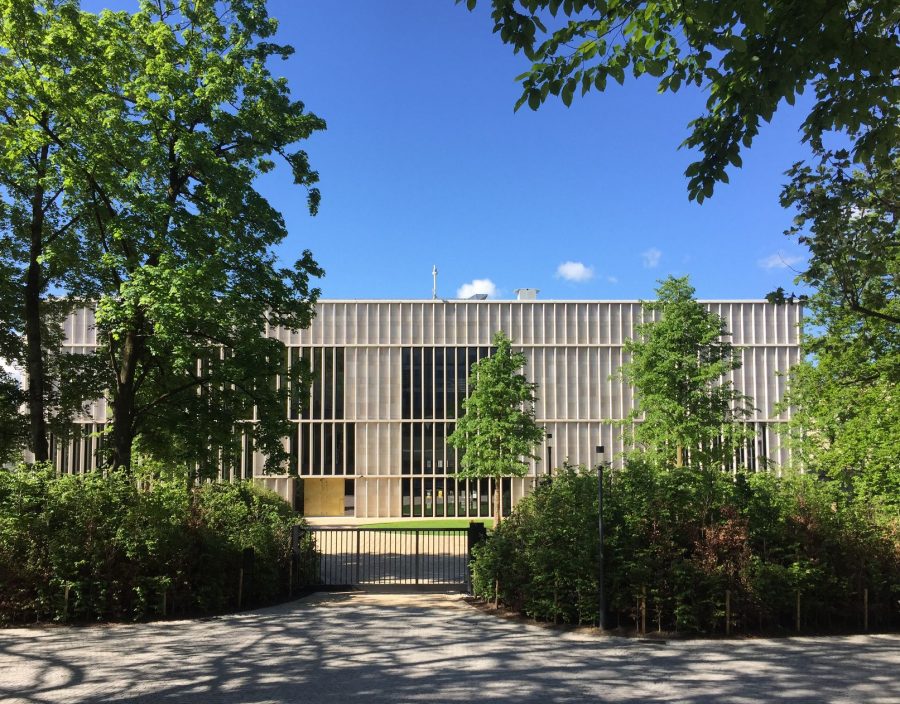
<point x="428" y="447"/>
<point x="440" y="464"/>
<point x="339" y="383"/>
<point x="439" y="497"/>
<point x="339" y="437"/>
<point x="450" y="499"/>
<point x="405" y="497"/>
<point x="417" y="448"/>
<point x="417" y="497"/>
<point x="248" y="456"/>
<point x="406" y="448"/>
<point x="305" y="448"/>
<point x="293" y="449"/>
<point x="440" y="385"/>
<point x="428" y="382"/>
<point x="350" y="462"/>
<point x="316" y="429"/>
<point x="327" y="447"/>
<point x="417" y="383"/>
<point x="76" y="452"/>
<point x="406" y="383"/>
<point x="506" y="495"/>
<point x="316" y="408"/>
<point x="328" y="383"/>
<point x="429" y="497"/>
<point x="484" y="492"/>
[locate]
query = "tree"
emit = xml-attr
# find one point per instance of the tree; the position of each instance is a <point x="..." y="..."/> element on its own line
<point x="845" y="423"/>
<point x="44" y="46"/>
<point x="497" y="433"/>
<point x="850" y="220"/>
<point x="686" y="411"/>
<point x="748" y="55"/>
<point x="156" y="148"/>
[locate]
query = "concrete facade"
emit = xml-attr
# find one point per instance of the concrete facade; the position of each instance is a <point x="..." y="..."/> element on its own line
<point x="392" y="376"/>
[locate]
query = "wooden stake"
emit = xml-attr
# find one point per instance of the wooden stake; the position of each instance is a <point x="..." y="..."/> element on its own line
<point x="866" y="609"/>
<point x="241" y="587"/>
<point x="798" y="611"/>
<point x="66" y="605"/>
<point x="644" y="611"/>
<point x="727" y="612"/>
<point x="164" y="602"/>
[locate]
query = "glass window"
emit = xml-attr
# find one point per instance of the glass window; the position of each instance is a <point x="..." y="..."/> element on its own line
<point x="406" y="448"/>
<point x="350" y="449"/>
<point x="405" y="494"/>
<point x="417" y="448"/>
<point x="417" y="383"/>
<point x="316" y="407"/>
<point x="439" y="497"/>
<point x="428" y="447"/>
<point x="339" y="382"/>
<point x="429" y="497"/>
<point x="328" y="383"/>
<point x="406" y="382"/>
<point x="417" y="498"/>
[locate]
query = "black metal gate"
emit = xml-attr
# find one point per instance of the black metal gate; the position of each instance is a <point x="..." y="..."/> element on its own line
<point x="432" y="557"/>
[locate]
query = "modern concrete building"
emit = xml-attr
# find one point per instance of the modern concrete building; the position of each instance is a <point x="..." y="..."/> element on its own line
<point x="392" y="375"/>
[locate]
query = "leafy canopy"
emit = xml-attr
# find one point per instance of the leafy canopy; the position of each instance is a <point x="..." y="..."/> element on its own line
<point x="686" y="410"/>
<point x="498" y="433"/>
<point x="749" y="55"/>
<point x="182" y="262"/>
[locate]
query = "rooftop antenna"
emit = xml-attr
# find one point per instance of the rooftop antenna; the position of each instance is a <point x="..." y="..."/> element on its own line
<point x="434" y="286"/>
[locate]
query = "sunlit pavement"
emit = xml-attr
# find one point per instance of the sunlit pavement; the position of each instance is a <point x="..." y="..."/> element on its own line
<point x="425" y="647"/>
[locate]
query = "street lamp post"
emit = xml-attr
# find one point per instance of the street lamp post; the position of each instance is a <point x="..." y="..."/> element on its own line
<point x="601" y="594"/>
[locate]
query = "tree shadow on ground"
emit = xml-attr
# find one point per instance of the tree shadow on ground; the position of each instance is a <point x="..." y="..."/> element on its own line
<point x="408" y="648"/>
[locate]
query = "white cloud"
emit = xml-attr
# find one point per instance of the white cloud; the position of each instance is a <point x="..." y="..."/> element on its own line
<point x="477" y="286"/>
<point x="575" y="271"/>
<point x="779" y="260"/>
<point x="651" y="257"/>
<point x="612" y="279"/>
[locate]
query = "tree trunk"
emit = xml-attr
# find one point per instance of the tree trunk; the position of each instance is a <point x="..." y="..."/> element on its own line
<point x="498" y="508"/>
<point x="679" y="456"/>
<point x="124" y="400"/>
<point x="34" y="357"/>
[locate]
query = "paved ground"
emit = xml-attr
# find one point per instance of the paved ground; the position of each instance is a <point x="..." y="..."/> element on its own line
<point x="435" y="648"/>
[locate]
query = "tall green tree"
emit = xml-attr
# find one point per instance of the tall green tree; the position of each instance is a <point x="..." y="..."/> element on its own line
<point x="188" y="283"/>
<point x="845" y="422"/>
<point x="686" y="410"/>
<point x="748" y="55"/>
<point x="849" y="217"/>
<point x="152" y="152"/>
<point x="45" y="47"/>
<point x="498" y="433"/>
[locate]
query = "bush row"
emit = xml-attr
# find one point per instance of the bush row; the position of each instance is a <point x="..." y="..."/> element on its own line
<point x="680" y="543"/>
<point x="117" y="547"/>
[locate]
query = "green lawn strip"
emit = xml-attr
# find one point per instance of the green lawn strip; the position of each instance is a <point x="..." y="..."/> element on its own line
<point x="435" y="523"/>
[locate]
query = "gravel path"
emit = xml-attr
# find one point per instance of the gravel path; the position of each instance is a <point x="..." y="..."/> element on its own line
<point x="425" y="647"/>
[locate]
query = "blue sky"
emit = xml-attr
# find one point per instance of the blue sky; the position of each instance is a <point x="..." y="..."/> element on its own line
<point x="425" y="163"/>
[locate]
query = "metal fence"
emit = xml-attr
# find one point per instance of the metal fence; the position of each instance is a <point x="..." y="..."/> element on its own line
<point x="385" y="556"/>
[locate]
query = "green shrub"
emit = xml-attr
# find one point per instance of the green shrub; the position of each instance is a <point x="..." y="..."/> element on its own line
<point x="114" y="547"/>
<point x="678" y="540"/>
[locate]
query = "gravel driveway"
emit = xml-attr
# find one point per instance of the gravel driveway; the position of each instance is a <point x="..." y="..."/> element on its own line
<point x="425" y="647"/>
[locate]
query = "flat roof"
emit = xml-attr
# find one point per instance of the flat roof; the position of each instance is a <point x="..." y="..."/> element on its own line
<point x="533" y="301"/>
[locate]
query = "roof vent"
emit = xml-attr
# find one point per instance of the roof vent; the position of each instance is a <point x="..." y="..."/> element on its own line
<point x="526" y="294"/>
<point x="477" y="297"/>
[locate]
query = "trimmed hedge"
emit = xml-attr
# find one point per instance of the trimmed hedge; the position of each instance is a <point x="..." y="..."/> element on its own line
<point x="678" y="541"/>
<point x="112" y="547"/>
